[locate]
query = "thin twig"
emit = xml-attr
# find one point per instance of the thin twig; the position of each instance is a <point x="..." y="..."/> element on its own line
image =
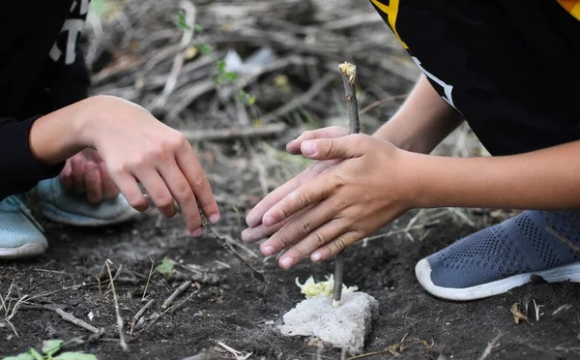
<point x="140" y="313"/>
<point x="301" y="100"/>
<point x="122" y="342"/>
<point x="348" y="73"/>
<point x="66" y="317"/>
<point x="148" y="279"/>
<point x="176" y="293"/>
<point x="76" y="321"/>
<point x="224" y="243"/>
<point x="492" y="345"/>
<point x="234" y="133"/>
<point x="238" y="355"/>
<point x="190" y="13"/>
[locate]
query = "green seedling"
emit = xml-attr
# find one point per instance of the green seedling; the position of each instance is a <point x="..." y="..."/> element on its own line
<point x="224" y="77"/>
<point x="51" y="351"/>
<point x="181" y="22"/>
<point x="166" y="266"/>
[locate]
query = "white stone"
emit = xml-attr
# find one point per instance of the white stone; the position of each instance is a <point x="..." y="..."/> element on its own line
<point x="344" y="327"/>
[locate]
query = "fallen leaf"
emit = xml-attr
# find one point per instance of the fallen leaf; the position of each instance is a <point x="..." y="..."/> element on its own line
<point x="518" y="315"/>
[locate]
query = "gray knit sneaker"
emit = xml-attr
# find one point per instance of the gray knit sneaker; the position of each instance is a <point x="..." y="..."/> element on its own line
<point x="504" y="256"/>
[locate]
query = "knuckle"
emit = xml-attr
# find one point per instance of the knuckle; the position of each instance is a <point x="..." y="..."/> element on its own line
<point x="306" y="226"/>
<point x="138" y="203"/>
<point x="164" y="202"/>
<point x="319" y="239"/>
<point x="335" y="180"/>
<point x="285" y="241"/>
<point x="180" y="142"/>
<point x="338" y="245"/>
<point x="200" y="182"/>
<point x="183" y="193"/>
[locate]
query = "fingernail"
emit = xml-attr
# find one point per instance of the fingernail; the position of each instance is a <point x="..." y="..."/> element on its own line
<point x="214" y="218"/>
<point x="268" y="250"/>
<point x="269" y="221"/>
<point x="251" y="220"/>
<point x="197" y="232"/>
<point x="316" y="257"/>
<point x="308" y="148"/>
<point x="286" y="262"/>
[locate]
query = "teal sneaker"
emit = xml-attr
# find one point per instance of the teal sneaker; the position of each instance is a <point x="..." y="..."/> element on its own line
<point x="65" y="207"/>
<point x="21" y="236"/>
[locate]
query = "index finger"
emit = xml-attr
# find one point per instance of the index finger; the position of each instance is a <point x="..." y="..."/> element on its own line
<point x="293" y="147"/>
<point x="311" y="193"/>
<point x="254" y="217"/>
<point x="191" y="168"/>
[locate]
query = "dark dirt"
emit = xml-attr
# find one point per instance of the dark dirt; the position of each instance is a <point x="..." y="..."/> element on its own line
<point x="242" y="313"/>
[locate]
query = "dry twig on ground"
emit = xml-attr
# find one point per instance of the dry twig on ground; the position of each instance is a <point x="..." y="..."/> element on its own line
<point x="122" y="341"/>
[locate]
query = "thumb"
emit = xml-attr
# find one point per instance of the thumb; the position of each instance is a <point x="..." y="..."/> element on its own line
<point x="293" y="147"/>
<point x="339" y="148"/>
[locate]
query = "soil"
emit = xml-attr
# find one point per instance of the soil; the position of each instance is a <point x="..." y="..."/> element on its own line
<point x="242" y="313"/>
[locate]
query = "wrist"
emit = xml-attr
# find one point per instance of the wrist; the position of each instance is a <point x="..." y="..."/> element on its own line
<point x="414" y="180"/>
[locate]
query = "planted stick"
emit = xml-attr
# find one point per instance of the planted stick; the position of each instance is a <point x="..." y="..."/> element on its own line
<point x="348" y="72"/>
<point x="224" y="243"/>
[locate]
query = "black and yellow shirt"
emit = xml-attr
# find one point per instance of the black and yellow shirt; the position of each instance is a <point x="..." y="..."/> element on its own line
<point x="510" y="67"/>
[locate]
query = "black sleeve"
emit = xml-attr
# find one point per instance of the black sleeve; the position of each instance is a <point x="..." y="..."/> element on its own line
<point x="19" y="170"/>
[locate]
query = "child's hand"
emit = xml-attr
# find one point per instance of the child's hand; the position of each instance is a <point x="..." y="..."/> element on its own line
<point x="137" y="148"/>
<point x="86" y="173"/>
<point x="257" y="231"/>
<point x="373" y="185"/>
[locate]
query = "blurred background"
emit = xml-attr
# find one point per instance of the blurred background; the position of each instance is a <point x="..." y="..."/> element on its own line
<point x="242" y="78"/>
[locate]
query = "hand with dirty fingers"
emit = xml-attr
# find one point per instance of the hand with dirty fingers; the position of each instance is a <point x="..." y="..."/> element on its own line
<point x="319" y="213"/>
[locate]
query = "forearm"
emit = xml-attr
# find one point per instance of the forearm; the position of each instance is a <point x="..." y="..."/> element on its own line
<point x="544" y="179"/>
<point x="422" y="122"/>
<point x="59" y="135"/>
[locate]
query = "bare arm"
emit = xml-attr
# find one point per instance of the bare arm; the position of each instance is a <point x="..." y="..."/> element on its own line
<point x="543" y="179"/>
<point x="422" y="122"/>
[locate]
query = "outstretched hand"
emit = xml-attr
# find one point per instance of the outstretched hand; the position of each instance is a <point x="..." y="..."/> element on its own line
<point x="327" y="208"/>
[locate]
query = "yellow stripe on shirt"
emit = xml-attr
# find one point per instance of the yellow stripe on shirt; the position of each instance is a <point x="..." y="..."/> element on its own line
<point x="392" y="11"/>
<point x="572" y="6"/>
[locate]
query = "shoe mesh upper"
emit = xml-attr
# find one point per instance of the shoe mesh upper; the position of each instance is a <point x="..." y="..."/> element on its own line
<point x="518" y="245"/>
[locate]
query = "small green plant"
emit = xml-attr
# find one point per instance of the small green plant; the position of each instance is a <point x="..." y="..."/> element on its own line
<point x="225" y="77"/>
<point x="166" y="266"/>
<point x="181" y="22"/>
<point x="51" y="351"/>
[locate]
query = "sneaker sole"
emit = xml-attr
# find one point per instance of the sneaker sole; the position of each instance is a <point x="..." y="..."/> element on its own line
<point x="25" y="251"/>
<point x="57" y="215"/>
<point x="569" y="272"/>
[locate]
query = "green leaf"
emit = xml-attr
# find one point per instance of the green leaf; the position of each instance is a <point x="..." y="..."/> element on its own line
<point x="221" y="67"/>
<point x="231" y="76"/>
<point x="75" y="356"/>
<point x="165" y="267"/>
<point x="181" y="22"/>
<point x="35" y="354"/>
<point x="198" y="28"/>
<point x="51" y="347"/>
<point x="204" y="49"/>
<point x="25" y="356"/>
